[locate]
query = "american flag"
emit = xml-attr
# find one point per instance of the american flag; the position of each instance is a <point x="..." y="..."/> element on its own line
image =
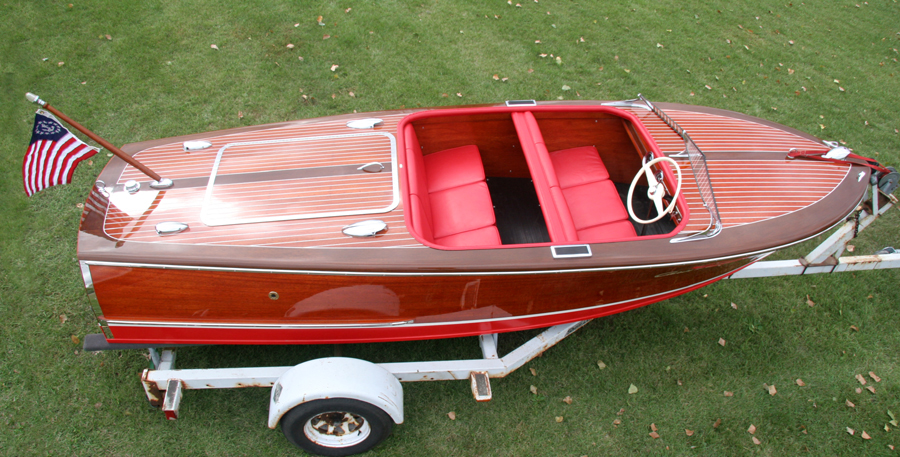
<point x="53" y="154"/>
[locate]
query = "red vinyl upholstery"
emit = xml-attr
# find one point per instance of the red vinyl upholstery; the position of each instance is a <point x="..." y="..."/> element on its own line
<point x="580" y="202"/>
<point x="450" y="204"/>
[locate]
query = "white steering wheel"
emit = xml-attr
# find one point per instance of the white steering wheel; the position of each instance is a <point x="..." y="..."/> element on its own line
<point x="656" y="192"/>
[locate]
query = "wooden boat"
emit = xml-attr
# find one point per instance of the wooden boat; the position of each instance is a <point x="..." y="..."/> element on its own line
<point x="437" y="223"/>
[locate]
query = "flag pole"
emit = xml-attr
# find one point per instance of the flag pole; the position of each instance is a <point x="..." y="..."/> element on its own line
<point x="158" y="181"/>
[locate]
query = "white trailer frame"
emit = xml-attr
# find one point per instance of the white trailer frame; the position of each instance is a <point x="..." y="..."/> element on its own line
<point x="164" y="383"/>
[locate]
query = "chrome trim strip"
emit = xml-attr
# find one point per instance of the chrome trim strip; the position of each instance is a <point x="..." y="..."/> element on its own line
<point x="92" y="299"/>
<point x="395" y="182"/>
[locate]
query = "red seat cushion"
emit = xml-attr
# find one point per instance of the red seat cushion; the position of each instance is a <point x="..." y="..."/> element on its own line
<point x="613" y="231"/>
<point x="594" y="203"/>
<point x="485" y="236"/>
<point x="578" y="166"/>
<point x="453" y="168"/>
<point x="461" y="209"/>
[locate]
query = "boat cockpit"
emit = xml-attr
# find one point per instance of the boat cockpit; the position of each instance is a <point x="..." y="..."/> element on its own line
<point x="511" y="176"/>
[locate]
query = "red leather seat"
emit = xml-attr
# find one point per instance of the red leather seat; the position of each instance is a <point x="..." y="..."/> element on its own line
<point x="594" y="203"/>
<point x="579" y="201"/>
<point x="450" y="204"/>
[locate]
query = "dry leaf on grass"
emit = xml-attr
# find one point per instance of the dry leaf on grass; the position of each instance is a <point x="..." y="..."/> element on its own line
<point x="632" y="389"/>
<point x="728" y="393"/>
<point x="865" y="435"/>
<point x="451" y="415"/>
<point x="533" y="389"/>
<point x="617" y="422"/>
<point x="653" y="428"/>
<point x="800" y="382"/>
<point x="559" y="419"/>
<point x="63" y="318"/>
<point x="567" y="400"/>
<point x="861" y="379"/>
<point x="858" y="390"/>
<point x="849" y="404"/>
<point x="722" y="342"/>
<point x="75" y="339"/>
<point x="870" y="389"/>
<point x="214" y="47"/>
<point x="756" y="441"/>
<point x="771" y="389"/>
<point x="654" y="435"/>
<point x="734" y="305"/>
<point x="688" y="432"/>
<point x="622" y="411"/>
<point x="532" y="370"/>
<point x="717" y="423"/>
<point x="808" y="300"/>
<point x="319" y="21"/>
<point x="600" y="364"/>
<point x="334" y="67"/>
<point x="752" y="429"/>
<point x="851" y="431"/>
<point x="874" y="376"/>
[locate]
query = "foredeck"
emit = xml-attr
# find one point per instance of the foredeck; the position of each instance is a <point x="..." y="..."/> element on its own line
<point x="271" y="176"/>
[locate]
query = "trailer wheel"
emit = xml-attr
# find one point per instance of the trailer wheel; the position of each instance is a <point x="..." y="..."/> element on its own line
<point x="336" y="426"/>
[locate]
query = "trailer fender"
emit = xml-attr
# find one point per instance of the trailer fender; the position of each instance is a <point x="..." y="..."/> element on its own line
<point x="336" y="377"/>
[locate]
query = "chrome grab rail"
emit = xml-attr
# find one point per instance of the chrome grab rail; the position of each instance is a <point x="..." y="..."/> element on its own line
<point x="701" y="175"/>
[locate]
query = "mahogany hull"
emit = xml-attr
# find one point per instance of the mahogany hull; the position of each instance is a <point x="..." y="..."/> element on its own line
<point x="246" y="307"/>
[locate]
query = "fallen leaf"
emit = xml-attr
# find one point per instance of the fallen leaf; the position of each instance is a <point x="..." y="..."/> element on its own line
<point x="722" y="342"/>
<point x="290" y="46"/>
<point x="653" y="428"/>
<point x="334" y="67"/>
<point x="729" y="394"/>
<point x="752" y="429"/>
<point x="800" y="382"/>
<point x="851" y="431"/>
<point x="808" y="300"/>
<point x="861" y="379"/>
<point x="75" y="339"/>
<point x="850" y="247"/>
<point x="559" y="60"/>
<point x="347" y="10"/>
<point x="756" y="441"/>
<point x="240" y="114"/>
<point x="319" y="20"/>
<point x="600" y="364"/>
<point x="559" y="419"/>
<point x="567" y="400"/>
<point x="733" y="305"/>
<point x="459" y="94"/>
<point x="63" y="318"/>
<point x="565" y="87"/>
<point x="326" y="36"/>
<point x="533" y="389"/>
<point x="865" y="435"/>
<point x="632" y="389"/>
<point x="849" y="404"/>
<point x="496" y="77"/>
<point x="893" y="419"/>
<point x="108" y="37"/>
<point x="771" y="390"/>
<point x="533" y="371"/>
<point x="717" y="423"/>
<point x="654" y="435"/>
<point x="859" y="390"/>
<point x="351" y="94"/>
<point x="874" y="377"/>
<point x="688" y="432"/>
<point x="214" y="47"/>
<point x="870" y="389"/>
<point x="451" y="415"/>
<point x="854" y="328"/>
<point x="617" y="422"/>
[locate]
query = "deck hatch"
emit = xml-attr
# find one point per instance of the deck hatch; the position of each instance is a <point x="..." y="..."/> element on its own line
<point x="301" y="178"/>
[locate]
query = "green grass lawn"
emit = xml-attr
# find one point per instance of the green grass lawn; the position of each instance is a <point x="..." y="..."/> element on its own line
<point x="135" y="71"/>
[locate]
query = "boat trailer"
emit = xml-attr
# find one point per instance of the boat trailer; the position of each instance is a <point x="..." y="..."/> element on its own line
<point x="342" y="406"/>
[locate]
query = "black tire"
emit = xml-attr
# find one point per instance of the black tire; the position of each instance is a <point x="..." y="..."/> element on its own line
<point x="299" y="430"/>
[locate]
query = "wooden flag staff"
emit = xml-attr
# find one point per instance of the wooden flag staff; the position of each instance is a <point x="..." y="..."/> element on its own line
<point x="158" y="181"/>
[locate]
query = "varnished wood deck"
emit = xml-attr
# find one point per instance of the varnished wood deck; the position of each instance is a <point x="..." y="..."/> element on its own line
<point x="747" y="191"/>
